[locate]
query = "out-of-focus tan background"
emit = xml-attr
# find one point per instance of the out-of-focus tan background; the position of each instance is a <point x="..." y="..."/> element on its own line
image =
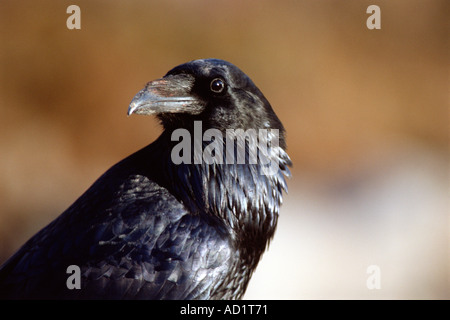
<point x="366" y="113"/>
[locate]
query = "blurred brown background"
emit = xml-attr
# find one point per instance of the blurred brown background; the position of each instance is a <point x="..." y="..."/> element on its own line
<point x="366" y="113"/>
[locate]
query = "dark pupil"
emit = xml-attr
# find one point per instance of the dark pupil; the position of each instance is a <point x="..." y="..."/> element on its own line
<point x="217" y="86"/>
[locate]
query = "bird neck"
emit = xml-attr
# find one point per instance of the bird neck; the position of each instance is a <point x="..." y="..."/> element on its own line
<point x="241" y="198"/>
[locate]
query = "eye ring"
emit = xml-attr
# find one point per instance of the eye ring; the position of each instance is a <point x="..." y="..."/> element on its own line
<point x="217" y="85"/>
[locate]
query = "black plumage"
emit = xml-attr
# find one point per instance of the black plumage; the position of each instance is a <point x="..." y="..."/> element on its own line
<point x="150" y="228"/>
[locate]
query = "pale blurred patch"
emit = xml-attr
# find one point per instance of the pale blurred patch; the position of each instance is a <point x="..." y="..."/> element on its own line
<point x="392" y="214"/>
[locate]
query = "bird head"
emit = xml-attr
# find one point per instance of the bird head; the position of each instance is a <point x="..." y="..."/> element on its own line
<point x="213" y="91"/>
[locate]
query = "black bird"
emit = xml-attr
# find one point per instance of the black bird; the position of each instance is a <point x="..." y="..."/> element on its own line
<point x="155" y="227"/>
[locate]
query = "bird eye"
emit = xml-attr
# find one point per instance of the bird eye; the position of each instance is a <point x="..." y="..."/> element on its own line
<point x="217" y="85"/>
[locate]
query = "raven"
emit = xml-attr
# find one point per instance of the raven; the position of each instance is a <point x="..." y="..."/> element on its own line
<point x="165" y="223"/>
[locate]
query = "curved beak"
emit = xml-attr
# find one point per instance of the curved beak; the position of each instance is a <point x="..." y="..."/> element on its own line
<point x="170" y="94"/>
